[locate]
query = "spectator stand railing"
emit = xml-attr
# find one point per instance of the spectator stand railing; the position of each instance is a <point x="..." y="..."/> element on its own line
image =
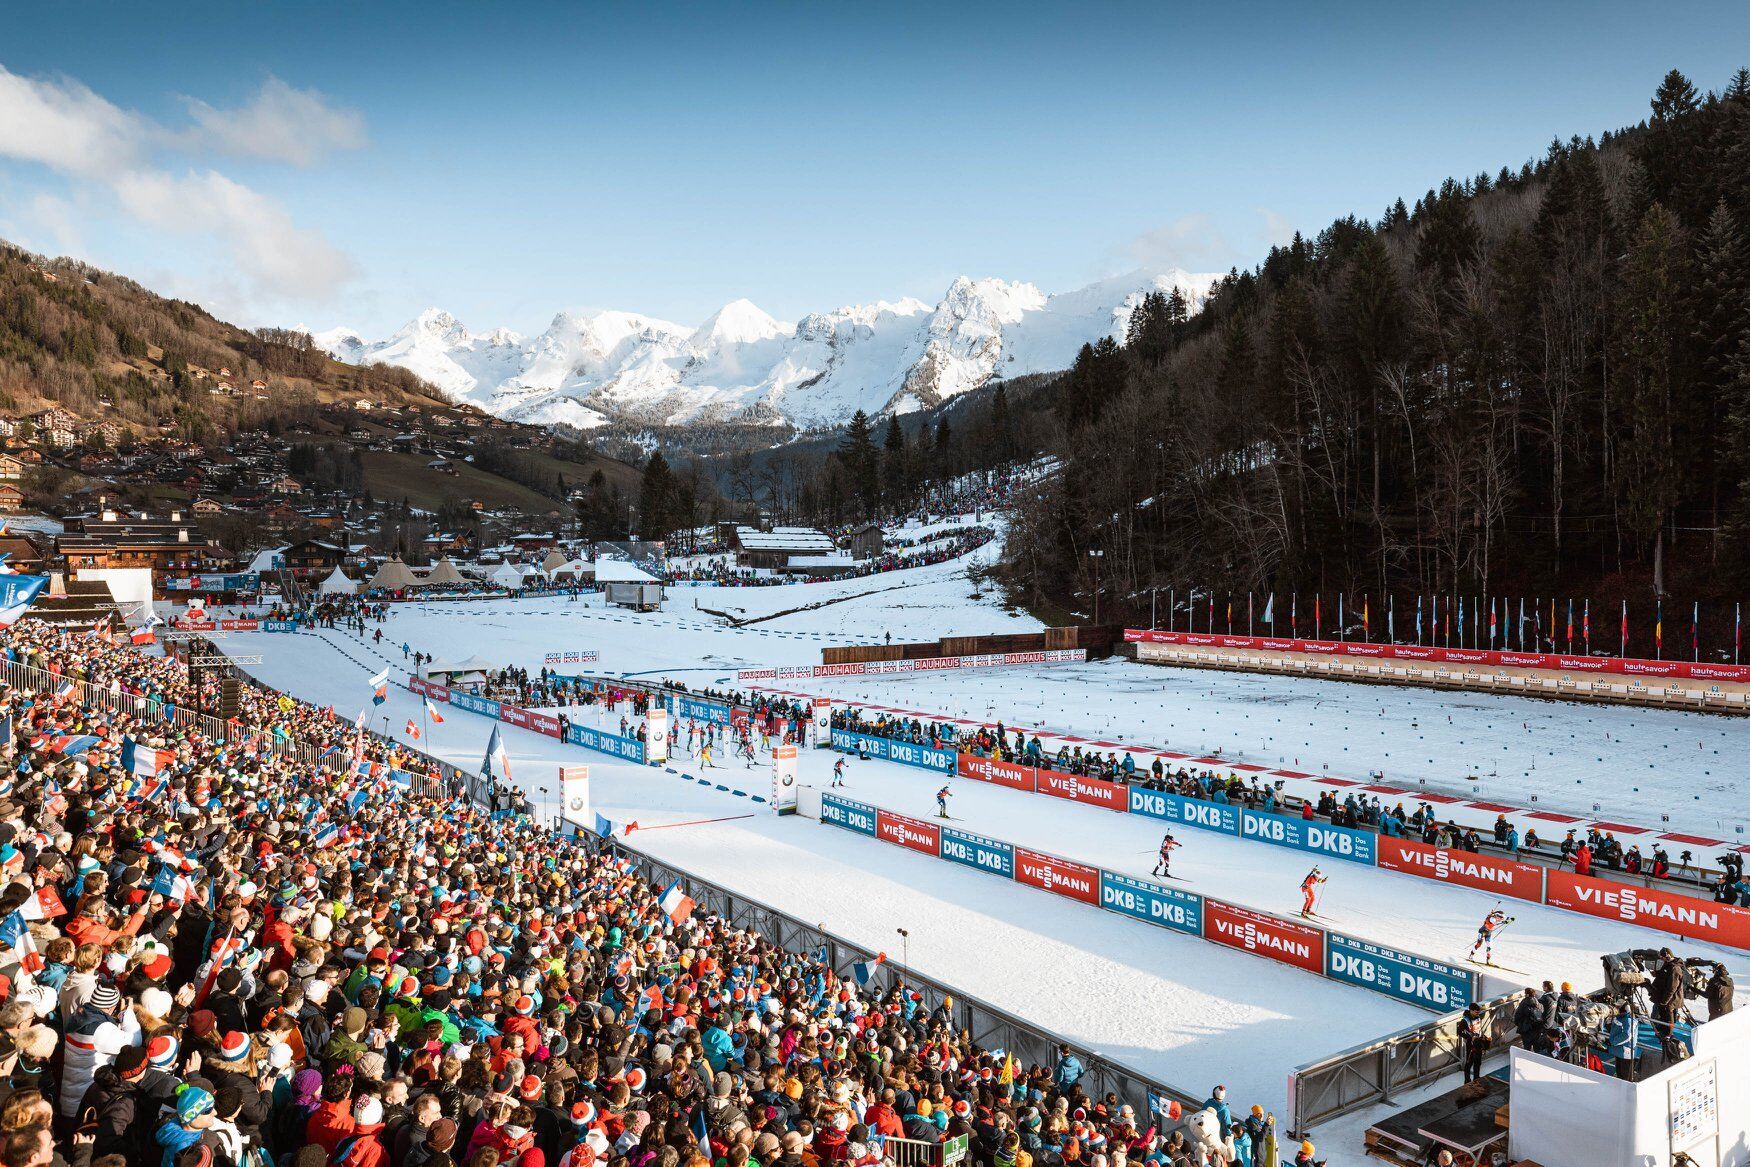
<point x="1378" y="1071"/>
<point x="989" y="1027"/>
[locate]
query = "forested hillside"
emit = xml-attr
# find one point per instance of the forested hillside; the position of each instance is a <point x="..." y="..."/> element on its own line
<point x="1531" y="381"/>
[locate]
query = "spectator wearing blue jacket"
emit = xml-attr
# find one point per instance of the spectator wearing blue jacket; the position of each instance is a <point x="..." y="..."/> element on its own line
<point x="719" y="1049"/>
<point x="1218" y="1103"/>
<point x="1068" y="1071"/>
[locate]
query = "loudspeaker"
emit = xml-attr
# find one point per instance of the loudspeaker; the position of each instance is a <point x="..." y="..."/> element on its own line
<point x="230" y="697"/>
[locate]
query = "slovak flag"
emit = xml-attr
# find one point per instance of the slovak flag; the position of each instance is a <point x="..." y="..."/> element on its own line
<point x="676" y="904"/>
<point x="142" y="761"/>
<point x="380" y="687"/>
<point x="412" y="730"/>
<point x="431" y="712"/>
<point x="864" y="970"/>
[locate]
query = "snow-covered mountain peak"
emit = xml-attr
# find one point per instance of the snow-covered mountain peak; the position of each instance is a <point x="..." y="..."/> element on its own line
<point x="738" y="322"/>
<point x="593" y="367"/>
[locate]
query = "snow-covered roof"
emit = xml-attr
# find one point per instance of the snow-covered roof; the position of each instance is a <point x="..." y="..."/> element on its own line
<point x="802" y="540"/>
<point x="268" y="559"/>
<point x="621" y="571"/>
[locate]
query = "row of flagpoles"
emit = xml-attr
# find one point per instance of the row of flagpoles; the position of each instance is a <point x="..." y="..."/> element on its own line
<point x="1439" y="621"/>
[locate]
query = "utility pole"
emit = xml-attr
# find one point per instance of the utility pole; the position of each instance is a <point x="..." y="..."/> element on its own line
<point x="1096" y="555"/>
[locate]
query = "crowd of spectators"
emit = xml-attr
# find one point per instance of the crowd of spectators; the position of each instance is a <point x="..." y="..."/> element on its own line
<point x="240" y="955"/>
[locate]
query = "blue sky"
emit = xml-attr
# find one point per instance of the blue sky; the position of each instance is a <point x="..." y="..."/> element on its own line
<point x="355" y="163"/>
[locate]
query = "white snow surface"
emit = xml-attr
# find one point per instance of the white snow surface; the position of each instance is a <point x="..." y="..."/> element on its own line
<point x="1183" y="1010"/>
<point x="741" y="364"/>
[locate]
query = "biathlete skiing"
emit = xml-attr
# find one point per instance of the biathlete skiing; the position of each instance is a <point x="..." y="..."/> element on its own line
<point x="838" y="773"/>
<point x="1492" y="923"/>
<point x="1168" y="846"/>
<point x="942" y="803"/>
<point x="1309" y="890"/>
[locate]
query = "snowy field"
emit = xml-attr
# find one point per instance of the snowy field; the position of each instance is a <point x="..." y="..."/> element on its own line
<point x="1592" y="761"/>
<point x="1175" y="1007"/>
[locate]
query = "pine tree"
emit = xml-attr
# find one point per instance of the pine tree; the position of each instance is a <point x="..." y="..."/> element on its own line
<point x="944" y="434"/>
<point x="861" y="461"/>
<point x="656" y="497"/>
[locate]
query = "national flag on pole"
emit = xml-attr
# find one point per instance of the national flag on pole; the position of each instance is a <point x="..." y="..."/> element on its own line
<point x="864" y="970"/>
<point x="605" y="826"/>
<point x="497" y="760"/>
<point x="1659" y="627"/>
<point x="17" y="593"/>
<point x="1270" y="609"/>
<point x="412" y="729"/>
<point x="380" y="687"/>
<point x="676" y="904"/>
<point x="1586" y="624"/>
<point x="700" y="1132"/>
<point x="431" y="712"/>
<point x="1418" y="619"/>
<point x="1625" y="628"/>
<point x="1695" y="630"/>
<point x="70" y="744"/>
<point x="1366" y="618"/>
<point x="143" y="761"/>
<point x="1491" y="623"/>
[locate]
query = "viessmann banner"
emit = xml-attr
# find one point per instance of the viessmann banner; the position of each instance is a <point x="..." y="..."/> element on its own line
<point x="1620" y="666"/>
<point x="922" y="665"/>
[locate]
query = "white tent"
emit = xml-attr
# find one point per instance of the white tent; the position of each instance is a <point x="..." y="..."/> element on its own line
<point x="393" y="576"/>
<point x="514" y="575"/>
<point x="470" y="673"/>
<point x="574" y="571"/>
<point x="337" y="585"/>
<point x="443" y="575"/>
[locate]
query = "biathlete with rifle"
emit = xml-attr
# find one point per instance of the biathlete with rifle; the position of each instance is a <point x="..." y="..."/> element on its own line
<point x="1309" y="891"/>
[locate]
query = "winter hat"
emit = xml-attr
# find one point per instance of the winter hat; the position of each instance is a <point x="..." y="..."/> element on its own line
<point x="37" y="1043"/>
<point x="442" y="1135"/>
<point x="368" y="1111"/>
<point x="233" y="1047"/>
<point x="131" y="1060"/>
<point x="279" y="1055"/>
<point x="192" y="1102"/>
<point x="106" y="998"/>
<point x="157" y="1002"/>
<point x="161" y="1052"/>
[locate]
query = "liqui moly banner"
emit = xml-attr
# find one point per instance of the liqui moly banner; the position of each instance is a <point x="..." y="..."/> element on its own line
<point x="842" y="812"/>
<point x="1522" y="881"/>
<point x="1681" y="915"/>
<point x="1307" y="835"/>
<point x="1151" y="903"/>
<point x="1076" y="788"/>
<point x="1191" y="812"/>
<point x="996" y="772"/>
<point x="1075" y="880"/>
<point x="1488" y="658"/>
<point x="992" y="855"/>
<point x="1254" y="932"/>
<point x="905" y="831"/>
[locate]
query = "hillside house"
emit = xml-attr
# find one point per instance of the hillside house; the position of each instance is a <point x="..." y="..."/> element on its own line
<point x="11" y="497"/>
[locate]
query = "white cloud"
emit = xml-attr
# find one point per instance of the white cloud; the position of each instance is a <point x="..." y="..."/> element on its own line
<point x="298" y="126"/>
<point x="1190" y="242"/>
<point x="1278" y="228"/>
<point x="63" y="125"/>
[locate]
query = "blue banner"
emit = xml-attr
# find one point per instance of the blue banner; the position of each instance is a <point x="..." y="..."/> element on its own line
<point x="279" y="625"/>
<point x="708" y="711"/>
<point x="992" y="855"/>
<point x="1190" y="812"/>
<point x="1415" y="979"/>
<point x="242" y="581"/>
<point x="1167" y="907"/>
<point x="629" y="748"/>
<point x="905" y="753"/>
<point x="17" y="593"/>
<point x="842" y="812"/>
<point x="473" y="704"/>
<point x="1306" y="835"/>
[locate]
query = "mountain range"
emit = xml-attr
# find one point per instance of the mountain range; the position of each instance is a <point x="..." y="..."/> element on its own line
<point x="741" y="365"/>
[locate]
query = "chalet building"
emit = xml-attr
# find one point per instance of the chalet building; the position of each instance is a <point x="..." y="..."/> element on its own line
<point x="865" y="542"/>
<point x="172" y="546"/>
<point x="11" y="467"/>
<point x="773" y="549"/>
<point x="11" y="498"/>
<point x="313" y="559"/>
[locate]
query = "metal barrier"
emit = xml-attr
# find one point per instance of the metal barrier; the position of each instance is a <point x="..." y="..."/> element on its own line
<point x="987" y="1026"/>
<point x="917" y="1153"/>
<point x="1376" y="1071"/>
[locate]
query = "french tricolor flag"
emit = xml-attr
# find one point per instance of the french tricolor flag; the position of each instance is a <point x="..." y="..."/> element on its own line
<point x="677" y="904"/>
<point x="431" y="712"/>
<point x="864" y="970"/>
<point x="143" y="761"/>
<point x="380" y="687"/>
